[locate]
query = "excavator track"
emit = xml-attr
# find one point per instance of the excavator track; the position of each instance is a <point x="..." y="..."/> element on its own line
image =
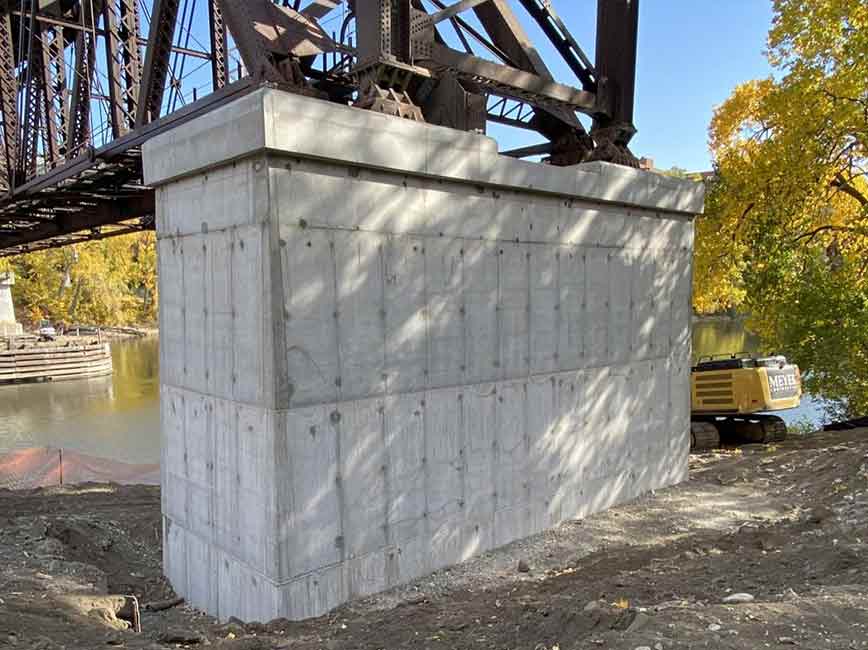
<point x="753" y="429"/>
<point x="775" y="429"/>
<point x="704" y="436"/>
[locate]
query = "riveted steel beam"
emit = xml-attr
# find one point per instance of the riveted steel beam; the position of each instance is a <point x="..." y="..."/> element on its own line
<point x="219" y="46"/>
<point x="8" y="105"/>
<point x="156" y="69"/>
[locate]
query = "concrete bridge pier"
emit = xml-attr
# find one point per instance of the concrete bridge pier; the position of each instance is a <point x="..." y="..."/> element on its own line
<point x="8" y="325"/>
<point x="385" y="348"/>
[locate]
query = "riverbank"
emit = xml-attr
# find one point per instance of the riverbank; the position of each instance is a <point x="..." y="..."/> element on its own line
<point x="785" y="525"/>
<point x="718" y="318"/>
<point x="111" y="332"/>
<point x="138" y="332"/>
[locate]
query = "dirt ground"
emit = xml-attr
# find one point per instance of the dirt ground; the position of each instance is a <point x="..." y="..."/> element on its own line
<point x="787" y="525"/>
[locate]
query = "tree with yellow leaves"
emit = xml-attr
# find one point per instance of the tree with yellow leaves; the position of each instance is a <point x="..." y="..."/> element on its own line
<point x="106" y="282"/>
<point x="785" y="239"/>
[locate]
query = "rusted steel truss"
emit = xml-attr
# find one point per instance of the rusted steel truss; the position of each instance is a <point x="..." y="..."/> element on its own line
<point x="83" y="83"/>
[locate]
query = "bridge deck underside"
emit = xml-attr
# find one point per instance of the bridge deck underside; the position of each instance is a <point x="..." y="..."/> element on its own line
<point x="98" y="195"/>
<point x="96" y="199"/>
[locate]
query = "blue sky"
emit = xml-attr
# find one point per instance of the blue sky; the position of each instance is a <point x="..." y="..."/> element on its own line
<point x="692" y="53"/>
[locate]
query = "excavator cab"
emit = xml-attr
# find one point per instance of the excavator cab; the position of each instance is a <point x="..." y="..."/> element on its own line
<point x="732" y="398"/>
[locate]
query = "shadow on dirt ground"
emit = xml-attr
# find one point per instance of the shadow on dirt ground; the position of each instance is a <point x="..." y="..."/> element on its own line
<point x="782" y="531"/>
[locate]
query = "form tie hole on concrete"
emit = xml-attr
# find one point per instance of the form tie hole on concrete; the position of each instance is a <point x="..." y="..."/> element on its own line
<point x="302" y="223"/>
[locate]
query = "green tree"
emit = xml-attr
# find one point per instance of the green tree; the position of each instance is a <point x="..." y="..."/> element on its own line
<point x="785" y="238"/>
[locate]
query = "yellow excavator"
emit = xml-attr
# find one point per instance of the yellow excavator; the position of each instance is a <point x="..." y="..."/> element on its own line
<point x="732" y="398"/>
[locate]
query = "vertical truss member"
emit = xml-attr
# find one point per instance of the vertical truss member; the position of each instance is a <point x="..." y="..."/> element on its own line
<point x="617" y="29"/>
<point x="8" y="106"/>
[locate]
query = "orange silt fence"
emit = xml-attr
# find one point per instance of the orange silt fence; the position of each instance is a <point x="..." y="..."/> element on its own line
<point x="33" y="467"/>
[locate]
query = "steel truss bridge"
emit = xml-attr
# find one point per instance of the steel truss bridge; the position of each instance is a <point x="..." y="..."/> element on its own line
<point x="83" y="83"/>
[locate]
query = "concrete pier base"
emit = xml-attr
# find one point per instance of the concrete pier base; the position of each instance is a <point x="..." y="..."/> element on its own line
<point x="385" y="348"/>
<point x="8" y="324"/>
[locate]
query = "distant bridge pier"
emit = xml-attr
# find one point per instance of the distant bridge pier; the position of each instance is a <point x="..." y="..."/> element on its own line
<point x="386" y="349"/>
<point x="8" y="325"/>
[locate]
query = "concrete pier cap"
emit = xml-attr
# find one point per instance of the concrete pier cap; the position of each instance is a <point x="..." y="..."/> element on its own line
<point x="385" y="348"/>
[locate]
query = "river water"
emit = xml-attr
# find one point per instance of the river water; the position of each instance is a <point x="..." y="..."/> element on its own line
<point x="118" y="417"/>
<point x="114" y="417"/>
